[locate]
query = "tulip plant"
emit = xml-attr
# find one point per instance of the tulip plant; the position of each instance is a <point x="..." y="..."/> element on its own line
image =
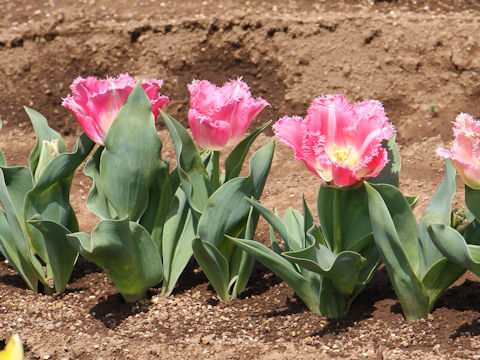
<point x="329" y="265"/>
<point x="461" y="244"/>
<point x="217" y="203"/>
<point x="36" y="213"/>
<point x="150" y="215"/>
<point x="132" y="188"/>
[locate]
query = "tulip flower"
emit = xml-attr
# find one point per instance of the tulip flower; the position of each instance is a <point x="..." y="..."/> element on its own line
<point x="13" y="350"/>
<point x="465" y="152"/>
<point x="219" y="117"/>
<point x="96" y="102"/>
<point x="339" y="142"/>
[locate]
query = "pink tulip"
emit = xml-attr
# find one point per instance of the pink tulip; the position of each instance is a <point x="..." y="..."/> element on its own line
<point x="465" y="152"/>
<point x="96" y="102"/>
<point x="339" y="142"/>
<point x="219" y="117"/>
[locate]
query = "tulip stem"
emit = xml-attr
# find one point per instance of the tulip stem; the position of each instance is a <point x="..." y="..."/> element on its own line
<point x="337" y="221"/>
<point x="215" y="182"/>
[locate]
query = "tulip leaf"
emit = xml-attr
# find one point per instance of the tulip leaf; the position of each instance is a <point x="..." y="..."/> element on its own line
<point x="294" y="223"/>
<point x="343" y="268"/>
<point x="178" y="233"/>
<point x="343" y="216"/>
<point x="472" y="200"/>
<point x="412" y="200"/>
<point x="14" y="183"/>
<point x="234" y="161"/>
<point x="391" y="171"/>
<point x="127" y="254"/>
<point x="396" y="236"/>
<point x="439" y="277"/>
<point x="241" y="263"/>
<point x="214" y="266"/>
<point x="226" y="211"/>
<point x="96" y="200"/>
<point x="44" y="133"/>
<point x="436" y="212"/>
<point x="191" y="169"/>
<point x="276" y="223"/>
<point x="3" y="161"/>
<point x="61" y="253"/>
<point x="128" y="168"/>
<point x="283" y="268"/>
<point x="160" y="197"/>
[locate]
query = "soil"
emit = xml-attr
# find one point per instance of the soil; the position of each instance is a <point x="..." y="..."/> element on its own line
<point x="420" y="58"/>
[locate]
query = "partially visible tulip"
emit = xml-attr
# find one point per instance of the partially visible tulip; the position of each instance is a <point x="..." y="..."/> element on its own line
<point x="465" y="152"/>
<point x="219" y="117"/>
<point x="96" y="102"/>
<point x="48" y="151"/>
<point x="339" y="142"/>
<point x="13" y="350"/>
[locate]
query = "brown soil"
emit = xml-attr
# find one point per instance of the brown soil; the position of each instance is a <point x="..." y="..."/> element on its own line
<point x="408" y="54"/>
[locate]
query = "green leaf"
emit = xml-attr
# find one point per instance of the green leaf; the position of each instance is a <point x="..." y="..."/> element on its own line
<point x="437" y="212"/>
<point x="472" y="199"/>
<point x="178" y="233"/>
<point x="241" y="264"/>
<point x="3" y="161"/>
<point x="190" y="166"/>
<point x="96" y="200"/>
<point x="453" y="246"/>
<point x="412" y="201"/>
<point x="284" y="269"/>
<point x="395" y="237"/>
<point x="127" y="254"/>
<point x="214" y="266"/>
<point x="14" y="183"/>
<point x="226" y="211"/>
<point x="44" y="133"/>
<point x="61" y="253"/>
<point x="343" y="268"/>
<point x="439" y="277"/>
<point x="234" y="161"/>
<point x="131" y="161"/>
<point x="390" y="173"/>
<point x="344" y="217"/>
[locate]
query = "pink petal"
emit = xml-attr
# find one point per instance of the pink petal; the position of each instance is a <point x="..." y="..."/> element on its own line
<point x="207" y="133"/>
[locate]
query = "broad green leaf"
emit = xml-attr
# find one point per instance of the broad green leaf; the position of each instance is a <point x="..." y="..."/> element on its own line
<point x="234" y="161"/>
<point x="343" y="268"/>
<point x="436" y="212"/>
<point x="274" y="222"/>
<point x="453" y="246"/>
<point x="44" y="132"/>
<point x="50" y="197"/>
<point x="405" y="225"/>
<point x="96" y="200"/>
<point x="13" y="183"/>
<point x="191" y="169"/>
<point x="284" y="269"/>
<point x="294" y="224"/>
<point x="127" y="254"/>
<point x="472" y="199"/>
<point x="393" y="236"/>
<point x="3" y="161"/>
<point x="241" y="263"/>
<point x="439" y="277"/>
<point x="160" y="197"/>
<point x="214" y="266"/>
<point x="226" y="211"/>
<point x="333" y="302"/>
<point x="343" y="215"/>
<point x="178" y="233"/>
<point x="131" y="161"/>
<point x="61" y="253"/>
<point x="390" y="173"/>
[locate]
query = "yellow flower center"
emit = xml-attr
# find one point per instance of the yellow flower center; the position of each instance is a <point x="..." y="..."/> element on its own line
<point x="344" y="156"/>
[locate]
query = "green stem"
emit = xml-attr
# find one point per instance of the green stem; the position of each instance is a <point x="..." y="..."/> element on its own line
<point x="215" y="171"/>
<point x="337" y="222"/>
